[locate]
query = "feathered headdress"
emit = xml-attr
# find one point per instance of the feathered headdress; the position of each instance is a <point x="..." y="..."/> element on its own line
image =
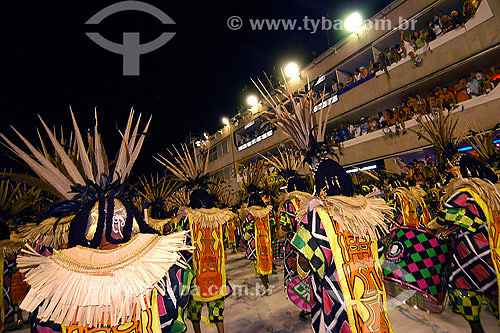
<point x="482" y="143"/>
<point x="294" y="114"/>
<point x="83" y="169"/>
<point x="155" y="192"/>
<point x="253" y="175"/>
<point x="439" y="130"/>
<point x="189" y="166"/>
<point x="287" y="162"/>
<point x="85" y="179"/>
<point x="221" y="192"/>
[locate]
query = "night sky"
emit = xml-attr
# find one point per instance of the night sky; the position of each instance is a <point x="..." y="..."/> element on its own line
<point x="201" y="75"/>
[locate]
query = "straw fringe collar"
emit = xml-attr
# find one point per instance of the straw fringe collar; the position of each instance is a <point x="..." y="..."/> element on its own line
<point x="95" y="288"/>
<point x="359" y="215"/>
<point x="259" y="212"/>
<point x="210" y="217"/>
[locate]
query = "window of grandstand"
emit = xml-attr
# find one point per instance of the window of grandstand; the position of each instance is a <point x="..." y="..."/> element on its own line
<point x="253" y="132"/>
<point x="220" y="149"/>
<point x="224" y="173"/>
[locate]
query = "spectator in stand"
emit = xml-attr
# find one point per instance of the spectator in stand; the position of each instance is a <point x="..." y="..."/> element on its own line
<point x="373" y="124"/>
<point x="461" y="90"/>
<point x="365" y="127"/>
<point x="357" y="75"/>
<point x="389" y="117"/>
<point x="436" y="29"/>
<point x="381" y="120"/>
<point x="433" y="102"/>
<point x="418" y="40"/>
<point x="436" y="19"/>
<point x="493" y="75"/>
<point x="404" y="112"/>
<point x="334" y="87"/>
<point x="457" y="19"/>
<point x="406" y="43"/>
<point x="373" y="69"/>
<point x="357" y="132"/>
<point x="447" y="99"/>
<point x="401" y="51"/>
<point x="474" y="86"/>
<point x="350" y="80"/>
<point x="488" y="86"/>
<point x="343" y="133"/>
<point x="393" y="56"/>
<point x="364" y="72"/>
<point x="470" y="8"/>
<point x="351" y="129"/>
<point x="384" y="62"/>
<point x="446" y="23"/>
<point x="341" y="85"/>
<point x="421" y="104"/>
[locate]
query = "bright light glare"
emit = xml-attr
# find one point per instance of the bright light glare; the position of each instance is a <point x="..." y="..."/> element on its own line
<point x="225" y="121"/>
<point x="291" y="70"/>
<point x="353" y="22"/>
<point x="252" y="100"/>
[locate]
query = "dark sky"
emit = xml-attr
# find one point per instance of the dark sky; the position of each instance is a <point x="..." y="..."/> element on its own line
<point x="48" y="63"/>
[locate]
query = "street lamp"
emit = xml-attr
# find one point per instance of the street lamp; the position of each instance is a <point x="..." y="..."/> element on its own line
<point x="252" y="100"/>
<point x="292" y="70"/>
<point x="225" y="121"/>
<point x="353" y="22"/>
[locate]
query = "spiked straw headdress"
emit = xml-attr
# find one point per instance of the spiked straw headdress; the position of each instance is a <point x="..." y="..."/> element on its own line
<point x="294" y="114"/>
<point x="188" y="165"/>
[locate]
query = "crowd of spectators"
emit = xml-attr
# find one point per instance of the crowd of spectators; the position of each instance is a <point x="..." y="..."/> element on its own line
<point x="440" y="98"/>
<point x="422" y="173"/>
<point x="242" y="139"/>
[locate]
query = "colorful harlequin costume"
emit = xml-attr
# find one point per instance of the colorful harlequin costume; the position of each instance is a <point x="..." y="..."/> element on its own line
<point x="258" y="224"/>
<point x="471" y="214"/>
<point x="414" y="260"/>
<point x="207" y="235"/>
<point x="338" y="235"/>
<point x="205" y="224"/>
<point x="410" y="207"/>
<point x="340" y="261"/>
<point x="117" y="273"/>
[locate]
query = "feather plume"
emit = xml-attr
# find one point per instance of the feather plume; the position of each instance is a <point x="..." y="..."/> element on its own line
<point x="72" y="164"/>
<point x="305" y="128"/>
<point x="253" y="176"/>
<point x="482" y="143"/>
<point x="189" y="166"/>
<point x="286" y="161"/>
<point x="439" y="130"/>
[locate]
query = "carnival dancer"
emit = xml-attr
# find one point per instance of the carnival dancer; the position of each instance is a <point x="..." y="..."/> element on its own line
<point x="18" y="206"/>
<point x="206" y="224"/>
<point x="154" y="194"/>
<point x="471" y="214"/>
<point x="287" y="163"/>
<point x="117" y="273"/>
<point x="258" y="225"/>
<point x="338" y="235"/>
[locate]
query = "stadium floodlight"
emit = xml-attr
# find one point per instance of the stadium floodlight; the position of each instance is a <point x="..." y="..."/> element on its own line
<point x="292" y="70"/>
<point x="353" y="22"/>
<point x="252" y="100"/>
